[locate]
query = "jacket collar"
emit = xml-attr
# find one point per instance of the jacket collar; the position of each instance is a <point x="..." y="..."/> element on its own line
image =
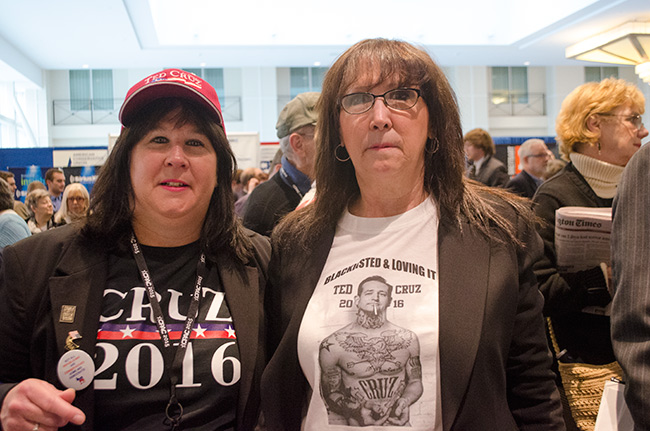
<point x="243" y="297"/>
<point x="78" y="285"/>
<point x="462" y="298"/>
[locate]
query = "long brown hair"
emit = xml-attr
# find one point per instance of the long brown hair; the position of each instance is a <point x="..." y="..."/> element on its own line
<point x="111" y="209"/>
<point x="444" y="169"/>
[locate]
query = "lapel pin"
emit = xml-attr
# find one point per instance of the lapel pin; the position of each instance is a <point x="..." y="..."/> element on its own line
<point x="76" y="368"/>
<point x="67" y="313"/>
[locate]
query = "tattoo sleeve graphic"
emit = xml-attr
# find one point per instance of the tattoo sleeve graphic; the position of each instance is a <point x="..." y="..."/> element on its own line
<point x="370" y="368"/>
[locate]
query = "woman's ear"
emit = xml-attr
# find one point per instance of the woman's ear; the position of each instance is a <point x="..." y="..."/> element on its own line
<point x="593" y="123"/>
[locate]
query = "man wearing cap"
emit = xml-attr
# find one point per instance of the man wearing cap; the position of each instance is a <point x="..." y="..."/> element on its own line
<point x="282" y="193"/>
<point x="533" y="158"/>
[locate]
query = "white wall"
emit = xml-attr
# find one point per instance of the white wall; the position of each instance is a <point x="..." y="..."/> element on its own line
<point x="470" y="83"/>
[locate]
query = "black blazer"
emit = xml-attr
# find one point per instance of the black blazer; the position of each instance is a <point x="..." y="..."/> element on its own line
<point x="493" y="173"/>
<point x="494" y="360"/>
<point x="54" y="268"/>
<point x="523" y="185"/>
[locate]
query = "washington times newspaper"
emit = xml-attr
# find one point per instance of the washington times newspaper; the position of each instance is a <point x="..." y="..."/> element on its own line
<point x="582" y="241"/>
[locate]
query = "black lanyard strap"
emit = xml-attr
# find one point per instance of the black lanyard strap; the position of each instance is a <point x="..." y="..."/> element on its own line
<point x="173" y="364"/>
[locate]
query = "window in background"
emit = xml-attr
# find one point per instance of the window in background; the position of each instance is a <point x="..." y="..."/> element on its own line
<point x="509" y="85"/>
<point x="91" y="89"/>
<point x="214" y="76"/>
<point x="597" y="74"/>
<point x="102" y="89"/>
<point x="19" y="116"/>
<point x="304" y="79"/>
<point x="231" y="106"/>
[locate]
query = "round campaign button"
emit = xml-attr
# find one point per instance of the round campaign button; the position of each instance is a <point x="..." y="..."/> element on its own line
<point x="76" y="369"/>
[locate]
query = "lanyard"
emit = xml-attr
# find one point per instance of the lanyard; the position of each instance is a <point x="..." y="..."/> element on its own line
<point x="174" y="410"/>
<point x="290" y="182"/>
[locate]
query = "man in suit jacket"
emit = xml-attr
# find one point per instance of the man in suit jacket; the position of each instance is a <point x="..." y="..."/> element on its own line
<point x="533" y="158"/>
<point x="631" y="281"/>
<point x="484" y="167"/>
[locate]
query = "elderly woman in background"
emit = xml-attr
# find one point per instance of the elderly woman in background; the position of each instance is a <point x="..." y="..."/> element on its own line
<point x="599" y="128"/>
<point x="161" y="285"/>
<point x="404" y="294"/>
<point x="12" y="226"/>
<point x="74" y="204"/>
<point x="39" y="203"/>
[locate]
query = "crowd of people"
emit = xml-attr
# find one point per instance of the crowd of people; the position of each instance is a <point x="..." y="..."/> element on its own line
<point x="45" y="207"/>
<point x="388" y="270"/>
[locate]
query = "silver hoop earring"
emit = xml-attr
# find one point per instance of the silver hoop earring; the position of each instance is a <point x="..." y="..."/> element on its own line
<point x="339" y="158"/>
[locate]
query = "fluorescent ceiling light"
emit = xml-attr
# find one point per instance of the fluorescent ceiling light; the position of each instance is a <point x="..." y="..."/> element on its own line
<point x="626" y="44"/>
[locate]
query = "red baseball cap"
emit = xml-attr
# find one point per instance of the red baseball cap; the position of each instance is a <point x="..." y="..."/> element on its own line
<point x="170" y="83"/>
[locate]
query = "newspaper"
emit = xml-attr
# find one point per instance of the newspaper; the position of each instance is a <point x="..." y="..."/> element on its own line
<point x="582" y="241"/>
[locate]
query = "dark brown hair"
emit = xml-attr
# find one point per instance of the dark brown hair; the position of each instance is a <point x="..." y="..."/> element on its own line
<point x="111" y="208"/>
<point x="444" y="168"/>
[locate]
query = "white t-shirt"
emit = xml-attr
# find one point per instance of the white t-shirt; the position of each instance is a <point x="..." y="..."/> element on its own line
<point x="368" y="341"/>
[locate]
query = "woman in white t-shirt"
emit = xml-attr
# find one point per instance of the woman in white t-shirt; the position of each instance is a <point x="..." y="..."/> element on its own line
<point x="404" y="294"/>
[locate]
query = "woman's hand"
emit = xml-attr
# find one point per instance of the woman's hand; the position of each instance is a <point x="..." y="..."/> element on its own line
<point x="33" y="402"/>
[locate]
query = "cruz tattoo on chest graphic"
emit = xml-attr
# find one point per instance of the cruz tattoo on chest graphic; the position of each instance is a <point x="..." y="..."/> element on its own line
<point x="370" y="369"/>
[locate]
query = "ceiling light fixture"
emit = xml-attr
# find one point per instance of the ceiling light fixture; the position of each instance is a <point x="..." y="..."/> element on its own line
<point x="627" y="44"/>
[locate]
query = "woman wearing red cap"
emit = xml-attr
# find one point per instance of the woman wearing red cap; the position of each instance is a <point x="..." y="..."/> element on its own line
<point x="150" y="310"/>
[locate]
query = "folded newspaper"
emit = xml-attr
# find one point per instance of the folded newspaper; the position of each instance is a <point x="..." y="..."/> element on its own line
<point x="582" y="241"/>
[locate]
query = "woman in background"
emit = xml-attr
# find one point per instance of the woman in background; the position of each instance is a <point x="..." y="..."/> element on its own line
<point x="403" y="295"/>
<point x="40" y="205"/>
<point x="12" y="226"/>
<point x="74" y="204"/>
<point x="599" y="128"/>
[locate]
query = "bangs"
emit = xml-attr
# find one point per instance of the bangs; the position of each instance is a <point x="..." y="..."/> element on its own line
<point x="180" y="112"/>
<point x="387" y="60"/>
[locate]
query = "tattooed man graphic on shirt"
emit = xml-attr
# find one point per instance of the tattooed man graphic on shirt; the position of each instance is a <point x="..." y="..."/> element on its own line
<point x="370" y="369"/>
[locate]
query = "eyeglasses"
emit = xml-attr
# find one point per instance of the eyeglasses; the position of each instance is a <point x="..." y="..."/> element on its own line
<point x="76" y="199"/>
<point x="635" y="119"/>
<point x="399" y="98"/>
<point x="545" y="155"/>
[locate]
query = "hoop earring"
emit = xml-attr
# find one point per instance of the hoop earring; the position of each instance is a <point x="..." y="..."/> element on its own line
<point x="432" y="146"/>
<point x="339" y="158"/>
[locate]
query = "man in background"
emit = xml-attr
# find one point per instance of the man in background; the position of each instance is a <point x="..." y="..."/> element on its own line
<point x="630" y="316"/>
<point x="273" y="199"/>
<point x="484" y="167"/>
<point x="55" y="180"/>
<point x="533" y="158"/>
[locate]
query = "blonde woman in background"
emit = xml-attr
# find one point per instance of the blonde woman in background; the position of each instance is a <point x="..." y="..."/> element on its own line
<point x="40" y="206"/>
<point x="74" y="205"/>
<point x="599" y="129"/>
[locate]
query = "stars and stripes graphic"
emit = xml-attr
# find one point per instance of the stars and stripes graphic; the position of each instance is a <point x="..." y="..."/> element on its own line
<point x="144" y="331"/>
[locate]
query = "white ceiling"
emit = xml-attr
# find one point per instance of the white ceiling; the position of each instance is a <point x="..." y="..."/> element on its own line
<point x="116" y="34"/>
